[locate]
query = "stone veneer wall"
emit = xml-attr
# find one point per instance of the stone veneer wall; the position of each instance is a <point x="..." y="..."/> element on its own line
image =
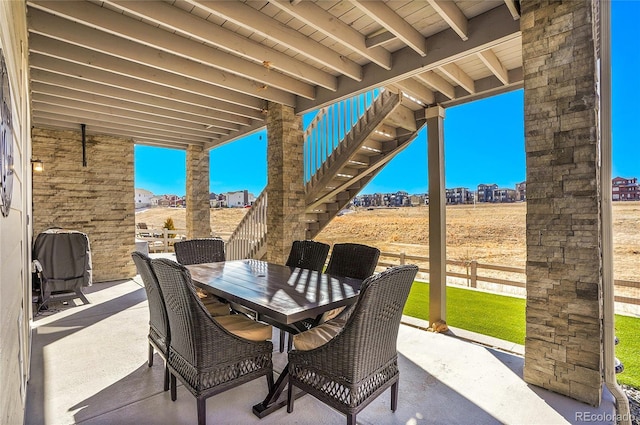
<point x="97" y="199"/>
<point x="285" y="182"/>
<point x="563" y="347"/>
<point x="198" y="207"/>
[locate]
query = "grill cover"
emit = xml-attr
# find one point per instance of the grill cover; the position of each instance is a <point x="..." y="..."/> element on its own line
<point x="65" y="257"/>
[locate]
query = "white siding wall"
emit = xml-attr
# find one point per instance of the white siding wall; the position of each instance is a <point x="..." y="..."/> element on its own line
<point x="15" y="231"/>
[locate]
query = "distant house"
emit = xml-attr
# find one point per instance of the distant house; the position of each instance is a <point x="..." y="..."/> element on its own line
<point x="459" y="195"/>
<point x="625" y="189"/>
<point x="143" y="198"/>
<point x="485" y="192"/>
<point x="504" y="195"/>
<point x="239" y="199"/>
<point x="521" y="191"/>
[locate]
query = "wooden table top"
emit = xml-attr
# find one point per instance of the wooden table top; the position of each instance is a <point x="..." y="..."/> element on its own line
<point x="284" y="294"/>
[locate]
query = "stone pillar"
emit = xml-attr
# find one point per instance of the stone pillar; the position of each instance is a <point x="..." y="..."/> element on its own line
<point x="197" y="196"/>
<point x="285" y="182"/>
<point x="437" y="215"/>
<point x="563" y="346"/>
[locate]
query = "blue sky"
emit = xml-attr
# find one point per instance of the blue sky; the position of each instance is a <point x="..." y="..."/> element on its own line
<point x="484" y="140"/>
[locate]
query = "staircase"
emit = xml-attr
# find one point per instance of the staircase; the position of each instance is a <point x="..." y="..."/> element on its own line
<point x="346" y="145"/>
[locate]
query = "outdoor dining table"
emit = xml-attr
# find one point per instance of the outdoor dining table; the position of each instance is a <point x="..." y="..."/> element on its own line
<point x="279" y="295"/>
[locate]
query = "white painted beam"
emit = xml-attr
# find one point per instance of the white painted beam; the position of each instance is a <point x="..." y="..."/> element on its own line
<point x="379" y="39"/>
<point x="493" y="63"/>
<point x="438" y="83"/>
<point x="134" y="53"/>
<point x="253" y="20"/>
<point x="416" y="90"/>
<point x="162" y="97"/>
<point x="389" y="19"/>
<point x="323" y="21"/>
<point x="118" y="72"/>
<point x="454" y="72"/>
<point x="486" y="30"/>
<point x="200" y="29"/>
<point x="513" y="8"/>
<point x="452" y="15"/>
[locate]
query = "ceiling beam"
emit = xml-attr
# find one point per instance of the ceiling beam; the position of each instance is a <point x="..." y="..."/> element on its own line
<point x="323" y="21"/>
<point x="97" y="130"/>
<point x="200" y="29"/>
<point x="416" y="90"/>
<point x="62" y="29"/>
<point x="486" y="30"/>
<point x="249" y="18"/>
<point x="246" y="131"/>
<point x="159" y="121"/>
<point x="513" y="8"/>
<point x="485" y="87"/>
<point x="128" y="38"/>
<point x="493" y="63"/>
<point x="163" y="98"/>
<point x="111" y="128"/>
<point x="437" y="82"/>
<point x="454" y="72"/>
<point x="452" y="15"/>
<point x="379" y="39"/>
<point x="385" y="16"/>
<point x="68" y="59"/>
<point x="112" y="118"/>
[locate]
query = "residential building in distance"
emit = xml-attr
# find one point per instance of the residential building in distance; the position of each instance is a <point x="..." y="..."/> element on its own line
<point x="625" y="189"/>
<point x="143" y="198"/>
<point x="459" y="195"/>
<point x="521" y="191"/>
<point x="504" y="195"/>
<point x="239" y="199"/>
<point x="485" y="192"/>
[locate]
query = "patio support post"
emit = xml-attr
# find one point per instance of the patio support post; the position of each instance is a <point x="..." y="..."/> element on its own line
<point x="437" y="215"/>
<point x="564" y="316"/>
<point x="285" y="184"/>
<point x="197" y="197"/>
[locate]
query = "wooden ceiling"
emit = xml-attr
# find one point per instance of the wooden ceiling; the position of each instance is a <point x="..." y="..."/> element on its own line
<point x="202" y="72"/>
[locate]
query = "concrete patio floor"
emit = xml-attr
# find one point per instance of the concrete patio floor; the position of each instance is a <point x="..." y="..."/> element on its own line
<point x="89" y="367"/>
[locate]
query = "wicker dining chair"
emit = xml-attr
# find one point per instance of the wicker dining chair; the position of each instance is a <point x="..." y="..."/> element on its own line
<point x="361" y="361"/>
<point x="306" y="254"/>
<point x="159" y="336"/>
<point x="198" y="251"/>
<point x="353" y="260"/>
<point x="203" y="355"/>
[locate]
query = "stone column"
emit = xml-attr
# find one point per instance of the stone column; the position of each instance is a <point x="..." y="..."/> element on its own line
<point x="563" y="346"/>
<point x="197" y="196"/>
<point x="437" y="215"/>
<point x="285" y="182"/>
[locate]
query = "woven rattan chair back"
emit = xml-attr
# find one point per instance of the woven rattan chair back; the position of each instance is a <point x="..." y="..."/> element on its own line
<point x="358" y="364"/>
<point x="203" y="355"/>
<point x="159" y="335"/>
<point x="308" y="254"/>
<point x="198" y="251"/>
<point x="353" y="260"/>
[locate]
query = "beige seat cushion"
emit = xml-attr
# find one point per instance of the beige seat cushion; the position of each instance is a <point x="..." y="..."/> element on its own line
<point x="244" y="327"/>
<point x="213" y="305"/>
<point x="315" y="337"/>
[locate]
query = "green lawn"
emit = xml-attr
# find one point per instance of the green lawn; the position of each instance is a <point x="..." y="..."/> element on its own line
<point x="504" y="317"/>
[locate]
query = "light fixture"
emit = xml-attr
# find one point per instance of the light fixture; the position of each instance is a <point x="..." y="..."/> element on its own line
<point x="37" y="165"/>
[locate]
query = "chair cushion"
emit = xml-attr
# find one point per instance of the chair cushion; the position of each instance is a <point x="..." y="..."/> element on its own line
<point x="320" y="335"/>
<point x="244" y="327"/>
<point x="213" y="305"/>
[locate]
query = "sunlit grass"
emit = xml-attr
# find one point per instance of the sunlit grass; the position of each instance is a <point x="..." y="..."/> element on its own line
<point x="503" y="317"/>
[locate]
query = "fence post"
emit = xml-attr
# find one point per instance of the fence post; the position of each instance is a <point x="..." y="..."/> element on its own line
<point x="474" y="273"/>
<point x="402" y="254"/>
<point x="165" y="233"/>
